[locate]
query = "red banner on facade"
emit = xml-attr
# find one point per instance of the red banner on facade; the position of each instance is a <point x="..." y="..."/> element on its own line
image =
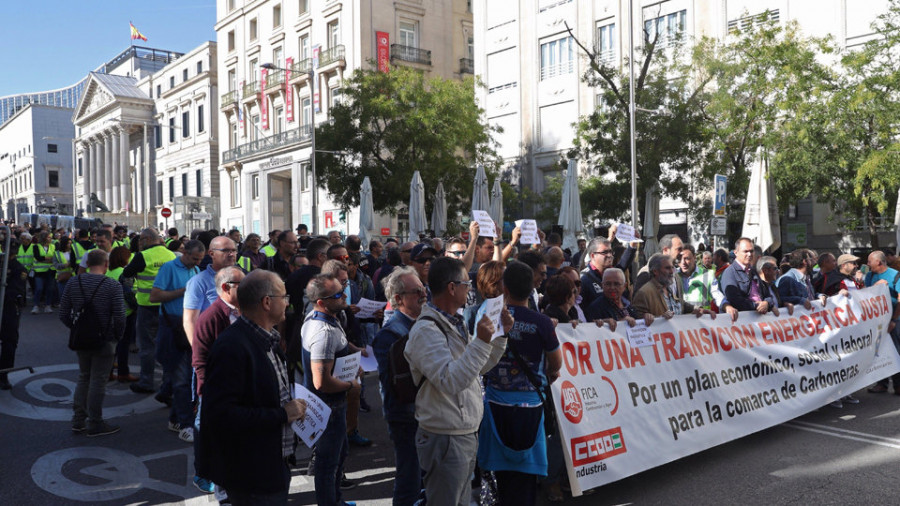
<point x="383" y="51"/>
<point x="263" y="103"/>
<point x="288" y="92"/>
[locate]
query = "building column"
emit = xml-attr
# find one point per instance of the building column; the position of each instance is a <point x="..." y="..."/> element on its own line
<point x="97" y="157"/>
<point x="107" y="170"/>
<point x="87" y="178"/>
<point x="124" y="151"/>
<point x="116" y="170"/>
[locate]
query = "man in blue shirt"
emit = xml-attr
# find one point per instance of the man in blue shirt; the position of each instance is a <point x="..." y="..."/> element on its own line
<point x="173" y="349"/>
<point x="201" y="291"/>
<point x="880" y="273"/>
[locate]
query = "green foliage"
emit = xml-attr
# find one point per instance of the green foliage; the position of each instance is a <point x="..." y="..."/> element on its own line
<point x="394" y="123"/>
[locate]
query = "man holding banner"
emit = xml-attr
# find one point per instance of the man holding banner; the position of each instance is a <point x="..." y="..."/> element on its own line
<point x="880" y="273"/>
<point x="741" y="286"/>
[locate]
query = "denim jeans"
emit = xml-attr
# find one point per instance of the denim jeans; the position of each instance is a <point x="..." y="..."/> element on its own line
<point x="93" y="373"/>
<point x="147" y="327"/>
<point x="124" y="345"/>
<point x="408" y="481"/>
<point x="177" y="370"/>
<point x="60" y="289"/>
<point x="44" y="288"/>
<point x="331" y="450"/>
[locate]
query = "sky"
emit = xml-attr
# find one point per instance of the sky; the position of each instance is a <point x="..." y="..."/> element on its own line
<point x="50" y="44"/>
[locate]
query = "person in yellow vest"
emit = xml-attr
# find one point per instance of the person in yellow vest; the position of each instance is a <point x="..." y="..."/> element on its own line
<point x="64" y="263"/>
<point x="172" y="236"/>
<point x="25" y="257"/>
<point x="144" y="267"/>
<point x="43" y="251"/>
<point x="251" y="257"/>
<point x="120" y="237"/>
<point x="82" y="244"/>
<point x="118" y="259"/>
<point x="272" y="246"/>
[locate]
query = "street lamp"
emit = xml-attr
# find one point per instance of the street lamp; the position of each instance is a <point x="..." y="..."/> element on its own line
<point x="312" y="154"/>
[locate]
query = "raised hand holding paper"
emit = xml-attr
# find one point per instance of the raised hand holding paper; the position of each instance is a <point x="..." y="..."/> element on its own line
<point x="529" y="231"/>
<point x="485" y="223"/>
<point x="625" y="233"/>
<point x="347" y="368"/>
<point x="368" y="308"/>
<point x="493" y="308"/>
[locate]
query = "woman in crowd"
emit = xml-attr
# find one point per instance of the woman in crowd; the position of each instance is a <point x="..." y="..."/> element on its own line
<point x="489" y="285"/>
<point x="118" y="258"/>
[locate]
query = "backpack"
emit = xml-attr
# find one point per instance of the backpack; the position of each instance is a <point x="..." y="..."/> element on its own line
<point x="85" y="333"/>
<point x="400" y="377"/>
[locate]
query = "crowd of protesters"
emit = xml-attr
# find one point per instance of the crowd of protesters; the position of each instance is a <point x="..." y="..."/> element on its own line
<point x="233" y="321"/>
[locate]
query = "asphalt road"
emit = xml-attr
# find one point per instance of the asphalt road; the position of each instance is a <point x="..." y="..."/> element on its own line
<point x="829" y="456"/>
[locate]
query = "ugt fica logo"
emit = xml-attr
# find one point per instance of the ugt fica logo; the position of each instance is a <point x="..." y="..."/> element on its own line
<point x="573" y="408"/>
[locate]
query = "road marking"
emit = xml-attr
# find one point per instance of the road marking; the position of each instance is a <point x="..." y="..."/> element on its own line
<point x="845" y="434"/>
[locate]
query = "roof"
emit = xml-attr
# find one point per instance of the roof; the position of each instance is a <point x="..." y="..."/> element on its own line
<point x="120" y="86"/>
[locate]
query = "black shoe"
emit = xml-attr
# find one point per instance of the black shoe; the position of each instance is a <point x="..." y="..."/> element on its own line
<point x="102" y="430"/>
<point x="364" y="406"/>
<point x="167" y="400"/>
<point x="347" y="484"/>
<point x="138" y="389"/>
<point x="5" y="384"/>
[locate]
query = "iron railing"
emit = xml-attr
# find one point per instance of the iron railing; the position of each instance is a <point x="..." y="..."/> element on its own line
<point x="228" y="99"/>
<point x="466" y="66"/>
<point x="251" y="89"/>
<point x="331" y="55"/>
<point x="410" y="54"/>
<point x="298" y="135"/>
<point x="274" y="79"/>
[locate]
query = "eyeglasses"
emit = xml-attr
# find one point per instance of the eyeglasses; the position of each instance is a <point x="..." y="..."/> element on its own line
<point x="345" y="282"/>
<point x="456" y="253"/>
<point x="226" y="251"/>
<point x="232" y="283"/>
<point x="344" y="258"/>
<point x="605" y="252"/>
<point x="423" y="260"/>
<point x="417" y="291"/>
<point x="467" y="283"/>
<point x="286" y="297"/>
<point x="335" y="296"/>
<point x="406" y="250"/>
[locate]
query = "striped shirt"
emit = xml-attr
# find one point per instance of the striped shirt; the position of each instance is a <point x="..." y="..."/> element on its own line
<point x="108" y="302"/>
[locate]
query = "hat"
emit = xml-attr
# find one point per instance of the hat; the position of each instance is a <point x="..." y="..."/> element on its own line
<point x="420" y="248"/>
<point x="846" y="258"/>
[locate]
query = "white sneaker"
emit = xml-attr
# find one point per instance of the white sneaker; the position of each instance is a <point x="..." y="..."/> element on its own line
<point x="174" y="426"/>
<point x="34" y="310"/>
<point x="48" y="310"/>
<point x="186" y="435"/>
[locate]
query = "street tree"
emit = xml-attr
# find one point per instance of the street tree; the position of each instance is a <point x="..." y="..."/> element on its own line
<point x="391" y="124"/>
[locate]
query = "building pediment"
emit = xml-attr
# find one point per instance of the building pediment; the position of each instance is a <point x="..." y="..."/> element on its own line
<point x="104" y="92"/>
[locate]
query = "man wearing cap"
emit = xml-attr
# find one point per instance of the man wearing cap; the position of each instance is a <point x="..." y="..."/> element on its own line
<point x="848" y="270"/>
<point x="421" y="257"/>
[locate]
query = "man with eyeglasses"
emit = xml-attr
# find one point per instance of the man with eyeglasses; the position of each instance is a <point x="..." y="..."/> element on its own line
<point x="324" y="341"/>
<point x="200" y="292"/>
<point x="422" y="256"/>
<point x="601" y="258"/>
<point x="447" y="365"/>
<point x="795" y="286"/>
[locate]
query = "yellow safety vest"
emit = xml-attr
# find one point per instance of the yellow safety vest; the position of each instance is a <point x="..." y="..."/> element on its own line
<point x="244" y="263"/>
<point x="61" y="263"/>
<point x="269" y="250"/>
<point x="114" y="275"/>
<point x="47" y="263"/>
<point x="25" y="257"/>
<point x="124" y="242"/>
<point x="79" y="250"/>
<point x="154" y="257"/>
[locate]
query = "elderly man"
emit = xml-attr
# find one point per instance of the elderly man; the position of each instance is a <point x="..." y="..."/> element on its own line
<point x="657" y="298"/>
<point x="611" y="304"/>
<point x="795" y="286"/>
<point x="201" y="292"/>
<point x="334" y="237"/>
<point x="601" y="256"/>
<point x="448" y="365"/>
<point x="696" y="282"/>
<point x="405" y="291"/>
<point x="670" y="245"/>
<point x="879" y="273"/>
<point x="848" y="272"/>
<point x="247" y="404"/>
<point x="740" y="284"/>
<point x="706" y="259"/>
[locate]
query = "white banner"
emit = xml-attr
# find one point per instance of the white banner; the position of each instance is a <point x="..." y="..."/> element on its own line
<point x="703" y="382"/>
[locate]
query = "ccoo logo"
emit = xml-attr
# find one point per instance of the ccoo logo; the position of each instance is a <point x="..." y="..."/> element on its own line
<point x="571" y="402"/>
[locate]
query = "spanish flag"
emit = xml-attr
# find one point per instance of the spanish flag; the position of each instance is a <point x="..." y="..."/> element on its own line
<point x="135" y="34"/>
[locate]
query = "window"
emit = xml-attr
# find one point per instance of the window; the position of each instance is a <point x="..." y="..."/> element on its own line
<point x="254" y="190"/>
<point x="231" y="40"/>
<point x="276" y="16"/>
<point x="53" y="178"/>
<point x="200" y="118"/>
<point x="230" y="5"/>
<point x="232" y="80"/>
<point x="305" y="109"/>
<point x="408" y="34"/>
<point x="669" y="28"/>
<point x="470" y="48"/>
<point x="304" y="7"/>
<point x="235" y="192"/>
<point x="606" y="40"/>
<point x="305" y="177"/>
<point x="253" y="29"/>
<point x="186" y="123"/>
<point x="157" y="135"/>
<point x="254" y="132"/>
<point x="184" y="184"/>
<point x="171" y="130"/>
<point x="171" y="188"/>
<point x="171" y="82"/>
<point x="335" y="95"/>
<point x="159" y="189"/>
<point x="198" y="180"/>
<point x="304" y="47"/>
<point x="184" y="75"/>
<point x="334" y="34"/>
<point x="279" y="120"/>
<point x="80" y="160"/>
<point x="234" y="135"/>
<point x="278" y="57"/>
<point x="158" y="90"/>
<point x="254" y="74"/>
<point x="200" y="67"/>
<point x="557" y="58"/>
<point x="52" y="148"/>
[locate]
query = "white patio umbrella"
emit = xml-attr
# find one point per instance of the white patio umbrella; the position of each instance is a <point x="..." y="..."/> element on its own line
<point x="481" y="200"/>
<point x="439" y="212"/>
<point x="570" y="210"/>
<point x="497" y="203"/>
<point x="651" y="221"/>
<point x="417" y="223"/>
<point x="761" y="220"/>
<point x="366" y="212"/>
<point x="897" y="222"/>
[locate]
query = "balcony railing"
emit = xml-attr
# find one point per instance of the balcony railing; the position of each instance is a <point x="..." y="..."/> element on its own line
<point x="251" y="89"/>
<point x="331" y="55"/>
<point x="301" y="67"/>
<point x="274" y="79"/>
<point x="228" y="99"/>
<point x="466" y="66"/>
<point x="557" y="69"/>
<point x="290" y="137"/>
<point x="410" y="54"/>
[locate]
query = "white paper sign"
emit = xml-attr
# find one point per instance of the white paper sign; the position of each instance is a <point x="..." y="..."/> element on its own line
<point x="639" y="335"/>
<point x="369" y="363"/>
<point x="346" y="368"/>
<point x="310" y="427"/>
<point x="492" y="309"/>
<point x="485" y="223"/>
<point x="368" y="308"/>
<point x="625" y="233"/>
<point x="529" y="232"/>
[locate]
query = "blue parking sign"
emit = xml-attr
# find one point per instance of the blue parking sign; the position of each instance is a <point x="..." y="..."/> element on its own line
<point x="719" y="202"/>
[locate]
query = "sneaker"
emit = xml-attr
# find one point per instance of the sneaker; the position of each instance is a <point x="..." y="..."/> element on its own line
<point x="102" y="430"/>
<point x="837" y="404"/>
<point x="48" y="310"/>
<point x="363" y="405"/>
<point x="849" y="399"/>
<point x="167" y="400"/>
<point x="356" y="440"/>
<point x="205" y="486"/>
<point x="175" y="427"/>
<point x="34" y="310"/>
<point x="347" y="484"/>
<point x="186" y="434"/>
<point x="79" y="427"/>
<point x="878" y="389"/>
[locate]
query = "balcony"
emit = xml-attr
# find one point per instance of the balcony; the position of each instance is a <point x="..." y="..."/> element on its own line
<point x="332" y="55"/>
<point x="301" y="67"/>
<point x="228" y="99"/>
<point x="274" y="80"/>
<point x="410" y="54"/>
<point x="294" y="136"/>
<point x="466" y="66"/>
<point x="251" y="90"/>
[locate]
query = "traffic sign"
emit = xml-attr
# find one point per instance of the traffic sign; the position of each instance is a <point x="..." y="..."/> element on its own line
<point x="717" y="225"/>
<point x="385" y="231"/>
<point x="720" y="183"/>
<point x="165" y="212"/>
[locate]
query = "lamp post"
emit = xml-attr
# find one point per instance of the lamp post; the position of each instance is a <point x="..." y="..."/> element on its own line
<point x="631" y="110"/>
<point x="314" y="204"/>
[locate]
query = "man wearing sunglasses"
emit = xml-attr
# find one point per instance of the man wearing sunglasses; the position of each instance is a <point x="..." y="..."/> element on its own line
<point x="422" y="256"/>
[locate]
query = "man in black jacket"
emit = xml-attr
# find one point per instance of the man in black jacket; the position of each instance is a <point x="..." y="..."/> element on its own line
<point x="247" y="404"/>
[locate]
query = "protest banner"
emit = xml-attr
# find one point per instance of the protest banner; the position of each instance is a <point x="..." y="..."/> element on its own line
<point x="704" y="382"/>
<point x="310" y="427"/>
<point x="347" y="367"/>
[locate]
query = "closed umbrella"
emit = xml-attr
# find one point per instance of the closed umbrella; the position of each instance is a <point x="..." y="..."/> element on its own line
<point x="366" y="212"/>
<point x="570" y="210"/>
<point x="481" y="200"/>
<point x="651" y="221"/>
<point x="417" y="224"/>
<point x="761" y="220"/>
<point x="439" y="213"/>
<point x="497" y="203"/>
<point x="897" y="223"/>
